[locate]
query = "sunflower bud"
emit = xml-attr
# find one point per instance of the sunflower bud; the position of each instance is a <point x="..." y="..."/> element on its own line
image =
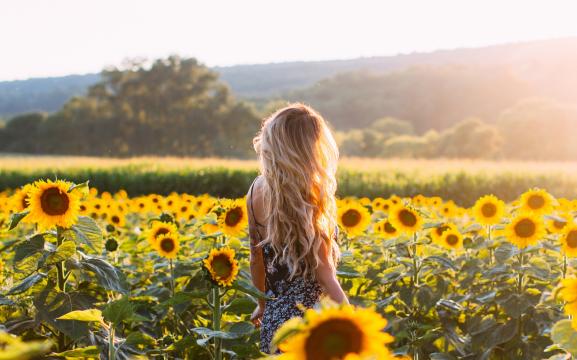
<point x="165" y="217"/>
<point x="111" y="245"/>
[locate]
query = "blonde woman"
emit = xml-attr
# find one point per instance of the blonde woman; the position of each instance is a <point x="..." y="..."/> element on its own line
<point x="292" y="217"/>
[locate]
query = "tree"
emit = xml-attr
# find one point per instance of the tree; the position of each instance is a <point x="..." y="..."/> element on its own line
<point x="173" y="106"/>
<point x="390" y="126"/>
<point x="539" y="129"/>
<point x="470" y="138"/>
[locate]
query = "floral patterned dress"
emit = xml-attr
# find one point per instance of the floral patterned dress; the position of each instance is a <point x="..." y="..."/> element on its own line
<point x="286" y="293"/>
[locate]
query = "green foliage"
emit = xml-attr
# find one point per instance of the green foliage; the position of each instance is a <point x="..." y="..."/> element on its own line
<point x="462" y="186"/>
<point x="565" y="336"/>
<point x="90" y="315"/>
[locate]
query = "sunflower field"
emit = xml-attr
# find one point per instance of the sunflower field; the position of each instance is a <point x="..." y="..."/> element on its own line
<point x="104" y="275"/>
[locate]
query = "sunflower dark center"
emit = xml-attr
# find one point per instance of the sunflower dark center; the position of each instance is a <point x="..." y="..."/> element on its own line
<point x="333" y="339"/>
<point x="536" y="201"/>
<point x="559" y="224"/>
<point x="488" y="210"/>
<point x="452" y="239"/>
<point x="183" y="209"/>
<point x="54" y="202"/>
<point x="233" y="216"/>
<point x="351" y="217"/>
<point x="572" y="239"/>
<point x="525" y="228"/>
<point x="390" y="229"/>
<point x="222" y="266"/>
<point x="167" y="244"/>
<point x="407" y="217"/>
<point x="115" y="219"/>
<point x="25" y="202"/>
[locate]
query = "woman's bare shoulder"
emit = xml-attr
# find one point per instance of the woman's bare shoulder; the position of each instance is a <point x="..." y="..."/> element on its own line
<point x="256" y="185"/>
<point x="254" y="194"/>
<point x="255" y="199"/>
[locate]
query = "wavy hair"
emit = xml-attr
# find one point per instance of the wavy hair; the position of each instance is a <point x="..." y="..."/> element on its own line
<point x="298" y="159"/>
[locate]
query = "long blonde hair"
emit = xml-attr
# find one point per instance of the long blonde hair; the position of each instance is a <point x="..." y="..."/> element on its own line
<point x="298" y="159"/>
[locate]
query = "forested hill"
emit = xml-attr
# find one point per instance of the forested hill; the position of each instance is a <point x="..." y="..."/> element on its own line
<point x="548" y="65"/>
<point x="536" y="62"/>
<point x="41" y="94"/>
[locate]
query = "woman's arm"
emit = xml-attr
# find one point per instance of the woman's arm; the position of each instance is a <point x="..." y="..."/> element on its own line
<point x="257" y="270"/>
<point x="256" y="262"/>
<point x="326" y="274"/>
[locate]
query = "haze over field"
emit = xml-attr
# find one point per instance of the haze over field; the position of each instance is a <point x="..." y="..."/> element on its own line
<point x="393" y="81"/>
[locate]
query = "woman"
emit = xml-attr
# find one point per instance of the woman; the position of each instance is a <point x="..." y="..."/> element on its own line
<point x="292" y="215"/>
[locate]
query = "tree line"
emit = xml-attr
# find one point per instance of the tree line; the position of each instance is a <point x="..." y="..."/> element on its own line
<point x="174" y="107"/>
<point x="179" y="107"/>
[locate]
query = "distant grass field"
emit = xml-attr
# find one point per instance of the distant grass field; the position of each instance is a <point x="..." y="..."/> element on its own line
<point x="460" y="180"/>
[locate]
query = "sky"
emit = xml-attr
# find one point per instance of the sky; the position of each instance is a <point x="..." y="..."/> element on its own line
<point x="41" y="38"/>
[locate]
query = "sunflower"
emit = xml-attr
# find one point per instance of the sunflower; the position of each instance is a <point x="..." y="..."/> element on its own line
<point x="158" y="229"/>
<point x="448" y="209"/>
<point x="419" y="200"/>
<point x="185" y="211"/>
<point x="222" y="266"/>
<point x="168" y="245"/>
<point x="140" y="205"/>
<point x="51" y="204"/>
<point x="377" y="203"/>
<point x="488" y="210"/>
<point x="556" y="226"/>
<point x="434" y="201"/>
<point x="204" y="204"/>
<point x="564" y="205"/>
<point x="172" y="202"/>
<point x="353" y="218"/>
<point x="437" y="232"/>
<point x="568" y="293"/>
<point x="337" y="332"/>
<point x="405" y="219"/>
<point x="524" y="230"/>
<point x="395" y="200"/>
<point x="451" y="239"/>
<point x="385" y="229"/>
<point x="536" y="201"/>
<point x="569" y="240"/>
<point x="21" y="199"/>
<point x="233" y="220"/>
<point x="116" y="218"/>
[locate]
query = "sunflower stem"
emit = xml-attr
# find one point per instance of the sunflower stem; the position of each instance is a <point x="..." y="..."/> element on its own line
<point x="171" y="277"/>
<point x="564" y="266"/>
<point x="415" y="266"/>
<point x="216" y="315"/>
<point x="174" y="320"/>
<point x="490" y="244"/>
<point x="61" y="282"/>
<point x="520" y="292"/>
<point x="111" y="349"/>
